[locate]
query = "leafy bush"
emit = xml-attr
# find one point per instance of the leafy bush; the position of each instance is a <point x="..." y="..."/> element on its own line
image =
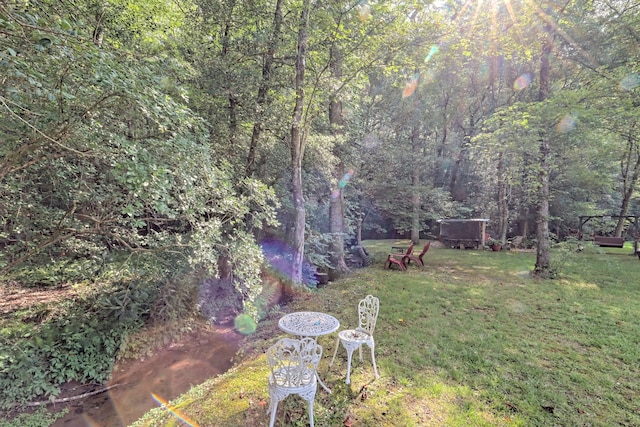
<point x="40" y="272"/>
<point x="40" y="418"/>
<point x="127" y="301"/>
<point x="80" y="344"/>
<point x="316" y="249"/>
<point x="177" y="298"/>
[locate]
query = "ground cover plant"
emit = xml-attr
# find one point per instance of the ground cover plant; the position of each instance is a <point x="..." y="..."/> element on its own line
<point x="471" y="339"/>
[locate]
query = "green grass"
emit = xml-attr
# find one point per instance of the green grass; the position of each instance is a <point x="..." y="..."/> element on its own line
<point x="470" y="340"/>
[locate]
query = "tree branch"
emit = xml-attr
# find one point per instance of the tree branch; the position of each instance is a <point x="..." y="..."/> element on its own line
<point x="71" y="398"/>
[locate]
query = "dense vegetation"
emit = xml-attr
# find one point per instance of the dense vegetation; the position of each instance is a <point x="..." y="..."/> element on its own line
<point x="154" y="151"/>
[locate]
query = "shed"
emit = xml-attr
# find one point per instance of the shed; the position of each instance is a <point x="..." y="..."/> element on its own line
<point x="463" y="233"/>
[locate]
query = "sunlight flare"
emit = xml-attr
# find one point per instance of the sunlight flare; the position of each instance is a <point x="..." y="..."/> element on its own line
<point x="174" y="412"/>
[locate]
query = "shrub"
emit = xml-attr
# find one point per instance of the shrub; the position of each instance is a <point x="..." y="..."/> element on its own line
<point x="40" y="418"/>
<point x="80" y="343"/>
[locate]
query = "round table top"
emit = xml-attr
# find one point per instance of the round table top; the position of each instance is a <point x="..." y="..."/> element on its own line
<point x="308" y="323"/>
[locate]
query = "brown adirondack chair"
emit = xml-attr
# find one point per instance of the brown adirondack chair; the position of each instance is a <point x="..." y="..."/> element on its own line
<point x="399" y="259"/>
<point x="418" y="259"/>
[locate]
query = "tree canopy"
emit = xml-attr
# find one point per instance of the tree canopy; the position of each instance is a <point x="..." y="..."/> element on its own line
<point x="194" y="129"/>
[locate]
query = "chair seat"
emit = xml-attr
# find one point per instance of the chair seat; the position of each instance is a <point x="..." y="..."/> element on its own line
<point x="353" y="335"/>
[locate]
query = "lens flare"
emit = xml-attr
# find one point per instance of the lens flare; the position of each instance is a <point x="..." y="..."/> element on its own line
<point x="567" y="123"/>
<point x="364" y="11"/>
<point x="434" y="49"/>
<point x="345" y="179"/>
<point x="522" y="82"/>
<point x="174" y="412"/>
<point x="411" y="86"/>
<point x="280" y="257"/>
<point x="89" y="421"/>
<point x="245" y="324"/>
<point x="630" y="82"/>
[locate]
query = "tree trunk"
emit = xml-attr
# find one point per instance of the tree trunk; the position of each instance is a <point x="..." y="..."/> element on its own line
<point x="542" y="267"/>
<point x="415" y="187"/>
<point x="439" y="176"/>
<point x="503" y="208"/>
<point x="336" y="227"/>
<point x="261" y="98"/>
<point x="501" y="202"/>
<point x="231" y="96"/>
<point x="628" y="182"/>
<point x="297" y="150"/>
<point x="336" y="203"/>
<point x="524" y="228"/>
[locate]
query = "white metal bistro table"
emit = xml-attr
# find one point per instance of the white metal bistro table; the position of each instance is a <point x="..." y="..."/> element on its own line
<point x="309" y="324"/>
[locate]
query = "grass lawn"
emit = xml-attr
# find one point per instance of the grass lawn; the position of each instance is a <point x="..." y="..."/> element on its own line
<point x="471" y="340"/>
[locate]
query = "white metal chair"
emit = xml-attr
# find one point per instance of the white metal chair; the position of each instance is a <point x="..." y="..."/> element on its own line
<point x="352" y="339"/>
<point x="293" y="363"/>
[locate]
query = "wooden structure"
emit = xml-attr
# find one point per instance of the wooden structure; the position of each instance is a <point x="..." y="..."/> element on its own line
<point x="418" y="259"/>
<point x="399" y="259"/>
<point x="611" y="241"/>
<point x="633" y="219"/>
<point x="463" y="233"/>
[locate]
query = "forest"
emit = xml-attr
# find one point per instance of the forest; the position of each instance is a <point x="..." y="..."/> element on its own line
<point x="149" y="146"/>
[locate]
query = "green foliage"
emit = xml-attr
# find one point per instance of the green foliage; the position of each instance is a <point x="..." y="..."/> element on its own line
<point x="176" y="299"/>
<point x="317" y="249"/>
<point x="129" y="301"/>
<point x="491" y="242"/>
<point x="101" y="154"/>
<point x="40" y="418"/>
<point x="79" y="342"/>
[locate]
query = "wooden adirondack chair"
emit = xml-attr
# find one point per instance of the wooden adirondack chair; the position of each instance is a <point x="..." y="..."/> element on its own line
<point x="399" y="259"/>
<point x="418" y="259"/>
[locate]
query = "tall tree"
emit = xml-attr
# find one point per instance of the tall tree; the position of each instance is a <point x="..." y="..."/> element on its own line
<point x="336" y="124"/>
<point x="265" y="84"/>
<point x="542" y="267"/>
<point x="298" y="140"/>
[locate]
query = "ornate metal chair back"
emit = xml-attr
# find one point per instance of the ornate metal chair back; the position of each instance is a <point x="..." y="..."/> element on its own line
<point x="368" y="314"/>
<point x="294" y="362"/>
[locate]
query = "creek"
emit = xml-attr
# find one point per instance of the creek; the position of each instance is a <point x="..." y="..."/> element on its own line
<point x="167" y="374"/>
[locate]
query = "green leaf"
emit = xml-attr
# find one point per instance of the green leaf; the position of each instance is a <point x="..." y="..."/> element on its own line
<point x="45" y="42"/>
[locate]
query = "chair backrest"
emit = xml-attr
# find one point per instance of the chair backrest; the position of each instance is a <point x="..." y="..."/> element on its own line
<point x="409" y="249"/>
<point x="293" y="362"/>
<point x="426" y="248"/>
<point x="368" y="314"/>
